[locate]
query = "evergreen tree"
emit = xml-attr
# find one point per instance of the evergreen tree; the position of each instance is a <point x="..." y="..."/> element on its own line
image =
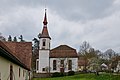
<point x="21" y="38"/>
<point x="9" y="38"/>
<point x="2" y="38"/>
<point x="15" y="39"/>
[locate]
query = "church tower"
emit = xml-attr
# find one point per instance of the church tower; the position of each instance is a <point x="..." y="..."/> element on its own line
<point x="44" y="47"/>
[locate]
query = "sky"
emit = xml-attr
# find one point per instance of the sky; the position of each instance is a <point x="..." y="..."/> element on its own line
<point x="70" y="22"/>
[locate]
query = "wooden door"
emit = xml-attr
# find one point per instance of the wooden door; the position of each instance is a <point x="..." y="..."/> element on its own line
<point x="62" y="69"/>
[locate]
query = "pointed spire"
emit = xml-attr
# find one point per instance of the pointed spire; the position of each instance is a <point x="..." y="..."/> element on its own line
<point x="45" y="18"/>
<point x="45" y="33"/>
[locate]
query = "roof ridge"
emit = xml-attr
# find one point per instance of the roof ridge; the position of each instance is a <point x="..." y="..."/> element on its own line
<point x="63" y="46"/>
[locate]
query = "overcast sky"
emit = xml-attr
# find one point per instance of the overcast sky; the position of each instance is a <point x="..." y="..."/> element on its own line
<point x="69" y="21"/>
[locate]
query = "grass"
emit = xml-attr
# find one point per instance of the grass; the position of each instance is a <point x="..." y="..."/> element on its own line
<point x="84" y="77"/>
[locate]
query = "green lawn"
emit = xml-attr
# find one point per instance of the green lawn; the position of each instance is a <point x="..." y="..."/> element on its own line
<point x="84" y="77"/>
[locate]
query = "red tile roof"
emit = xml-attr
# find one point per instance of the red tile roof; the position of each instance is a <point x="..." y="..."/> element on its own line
<point x="82" y="61"/>
<point x="21" y="50"/>
<point x="8" y="54"/>
<point x="45" y="33"/>
<point x="63" y="51"/>
<point x="5" y="47"/>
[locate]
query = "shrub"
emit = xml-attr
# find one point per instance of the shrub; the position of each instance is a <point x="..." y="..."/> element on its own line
<point x="57" y="74"/>
<point x="71" y="73"/>
<point x="62" y="74"/>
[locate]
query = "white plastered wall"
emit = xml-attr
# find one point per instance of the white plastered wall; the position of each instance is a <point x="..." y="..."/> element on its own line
<point x="74" y="64"/>
<point x="43" y="55"/>
<point x="43" y="60"/>
<point x="5" y="70"/>
<point x="47" y="46"/>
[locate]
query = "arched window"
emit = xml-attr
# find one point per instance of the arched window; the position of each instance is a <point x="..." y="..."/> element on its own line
<point x="49" y="45"/>
<point x="62" y="63"/>
<point x="70" y="65"/>
<point x="44" y="42"/>
<point x="54" y="65"/>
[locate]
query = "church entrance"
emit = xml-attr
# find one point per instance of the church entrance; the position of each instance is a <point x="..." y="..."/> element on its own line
<point x="62" y="69"/>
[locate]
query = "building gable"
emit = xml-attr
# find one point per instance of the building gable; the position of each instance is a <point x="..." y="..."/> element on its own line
<point x="63" y="51"/>
<point x="22" y="51"/>
<point x="8" y="54"/>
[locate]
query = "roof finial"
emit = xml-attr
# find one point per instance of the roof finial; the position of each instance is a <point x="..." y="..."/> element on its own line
<point x="45" y="9"/>
<point x="45" y="19"/>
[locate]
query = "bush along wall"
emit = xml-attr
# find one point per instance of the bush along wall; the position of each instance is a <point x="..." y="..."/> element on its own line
<point x="57" y="74"/>
<point x="70" y="73"/>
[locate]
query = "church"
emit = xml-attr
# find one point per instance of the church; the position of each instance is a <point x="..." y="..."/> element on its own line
<point x="60" y="59"/>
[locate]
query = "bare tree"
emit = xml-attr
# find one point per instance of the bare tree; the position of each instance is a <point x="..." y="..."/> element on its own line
<point x="88" y="53"/>
<point x="84" y="47"/>
<point x="109" y="54"/>
<point x="83" y="52"/>
<point x="2" y="38"/>
<point x="115" y="61"/>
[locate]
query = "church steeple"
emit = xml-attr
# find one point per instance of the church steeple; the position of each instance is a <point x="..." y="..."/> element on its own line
<point x="45" y="19"/>
<point x="44" y="47"/>
<point x="45" y="33"/>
